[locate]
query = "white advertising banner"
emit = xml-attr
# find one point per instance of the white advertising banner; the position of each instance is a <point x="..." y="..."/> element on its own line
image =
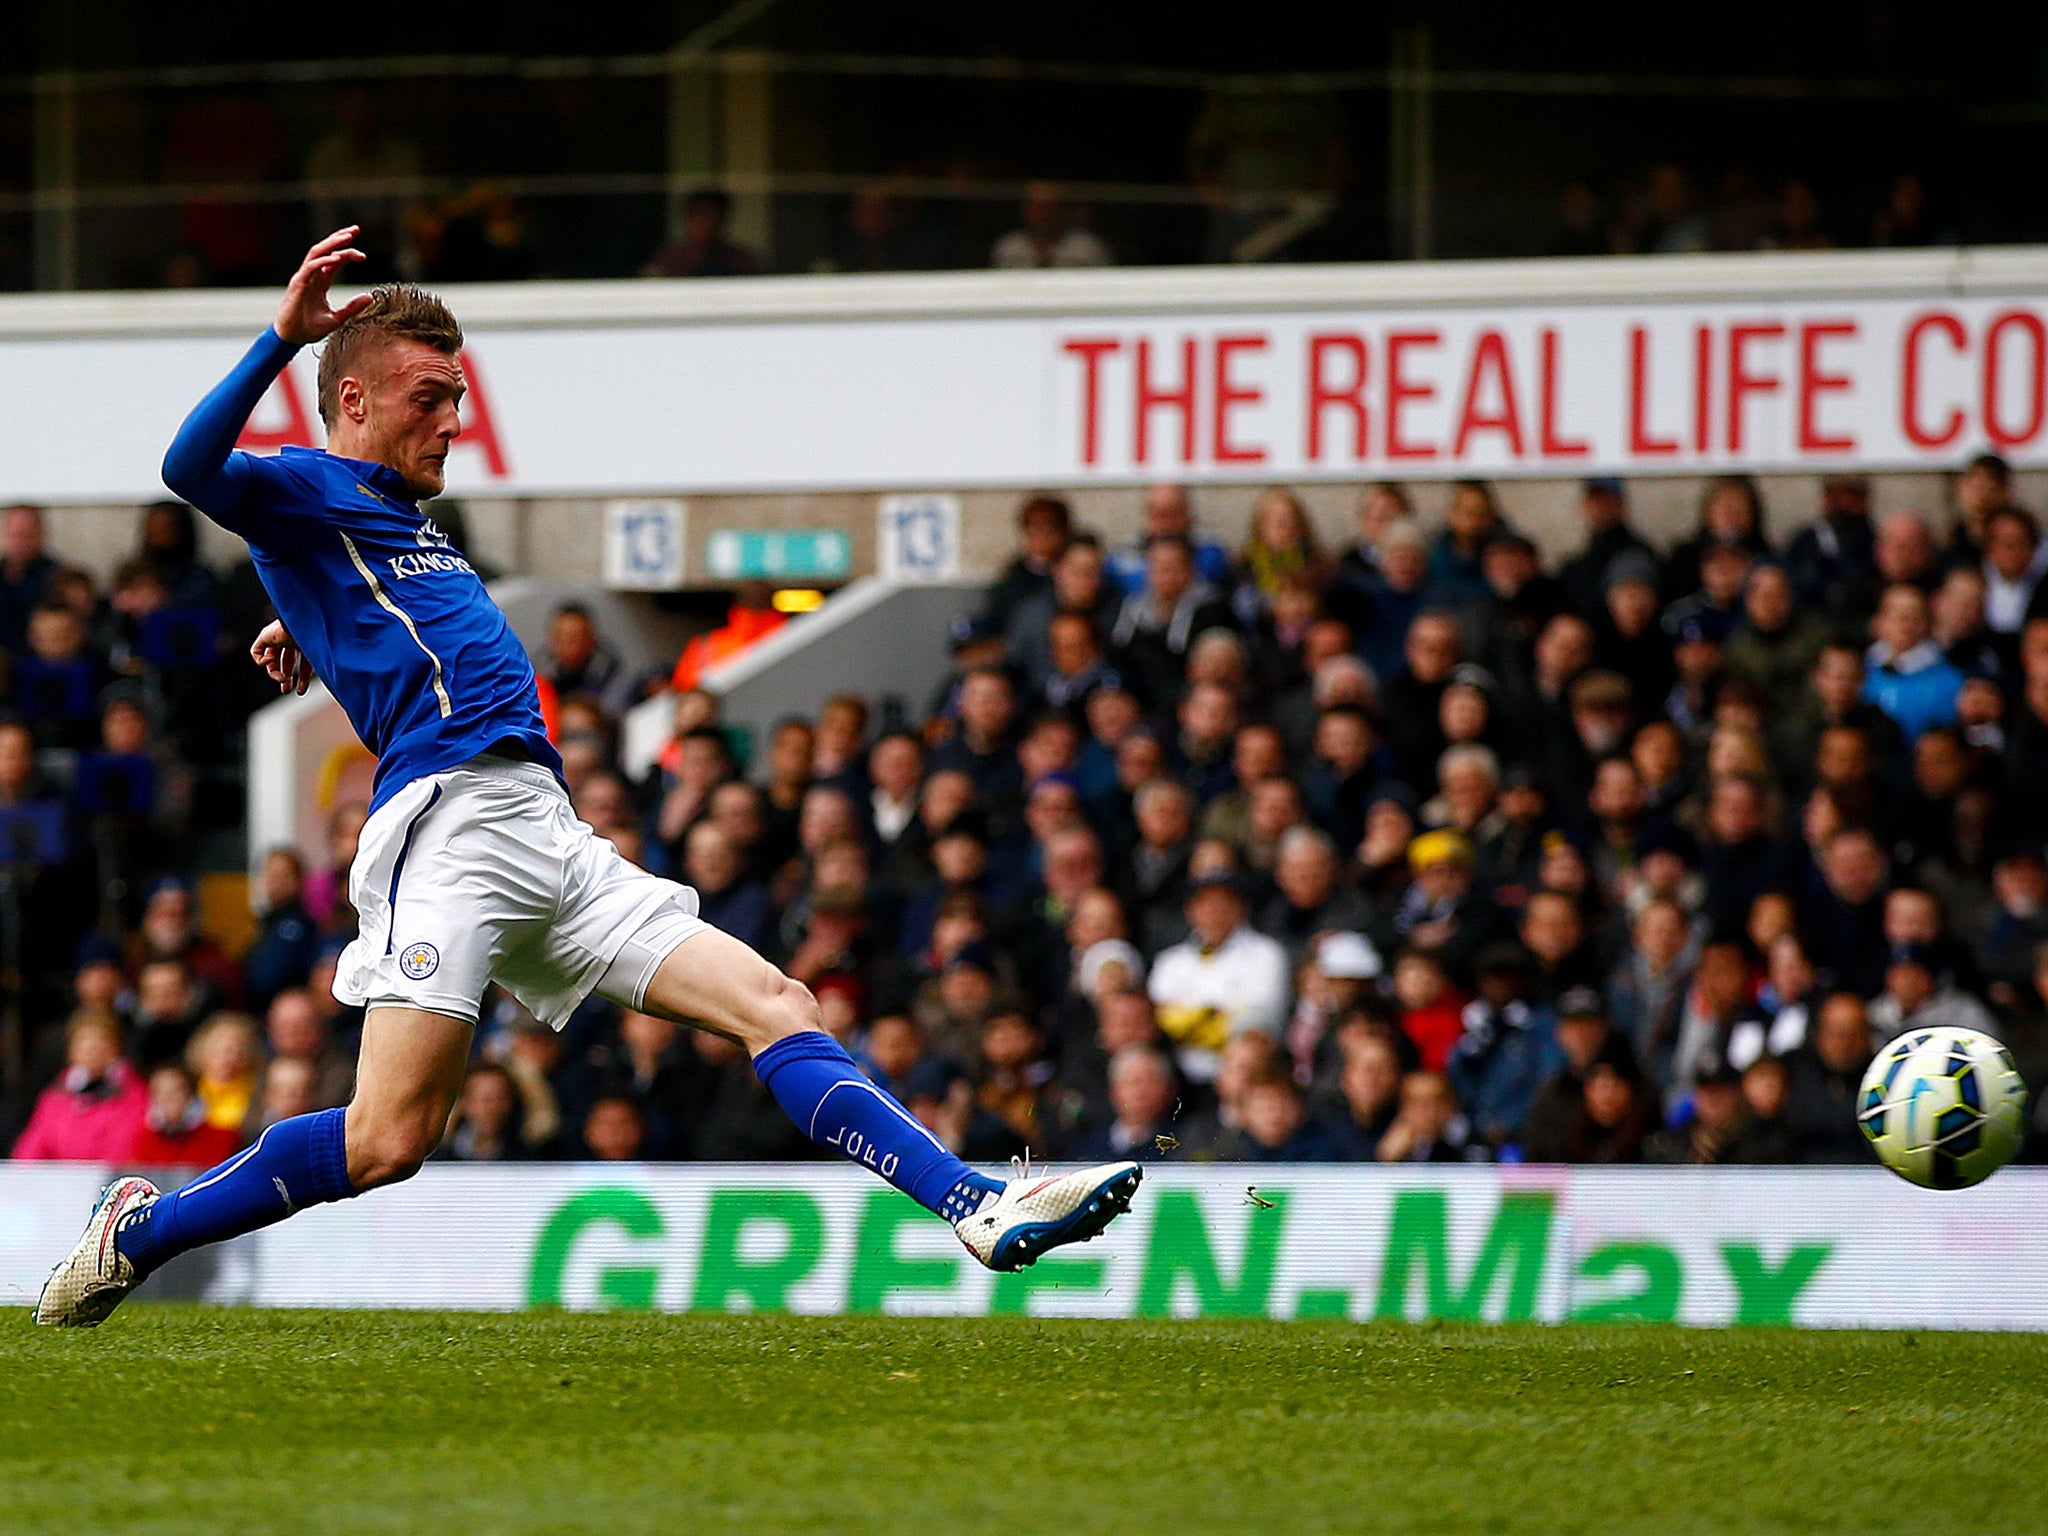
<point x="903" y="401"/>
<point x="1710" y="1247"/>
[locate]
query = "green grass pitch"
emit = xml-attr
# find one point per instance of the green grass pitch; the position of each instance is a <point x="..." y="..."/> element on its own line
<point x="174" y="1419"/>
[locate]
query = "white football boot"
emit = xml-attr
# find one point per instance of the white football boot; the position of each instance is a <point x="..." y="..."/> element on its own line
<point x="95" y="1278"/>
<point x="1032" y="1214"/>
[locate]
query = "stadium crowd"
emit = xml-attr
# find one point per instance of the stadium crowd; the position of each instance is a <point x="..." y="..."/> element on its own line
<point x="1415" y="851"/>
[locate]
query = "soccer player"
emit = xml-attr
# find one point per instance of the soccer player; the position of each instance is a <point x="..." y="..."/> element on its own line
<point x="472" y="867"/>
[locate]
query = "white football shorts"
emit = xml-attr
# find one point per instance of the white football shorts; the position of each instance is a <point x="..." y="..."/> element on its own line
<point x="483" y="874"/>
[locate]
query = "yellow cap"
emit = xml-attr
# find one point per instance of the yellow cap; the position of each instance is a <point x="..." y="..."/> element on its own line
<point x="1432" y="848"/>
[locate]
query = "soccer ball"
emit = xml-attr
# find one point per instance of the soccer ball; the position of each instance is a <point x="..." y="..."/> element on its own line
<point x="1944" y="1108"/>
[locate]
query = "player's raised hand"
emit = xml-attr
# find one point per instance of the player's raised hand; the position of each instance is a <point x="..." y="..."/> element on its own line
<point x="306" y="315"/>
<point x="278" y="654"/>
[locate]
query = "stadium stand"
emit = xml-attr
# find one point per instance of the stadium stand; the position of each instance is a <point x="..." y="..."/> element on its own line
<point x="1413" y="850"/>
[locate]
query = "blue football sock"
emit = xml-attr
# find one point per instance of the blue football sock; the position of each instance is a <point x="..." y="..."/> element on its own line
<point x="294" y="1164"/>
<point x="820" y="1088"/>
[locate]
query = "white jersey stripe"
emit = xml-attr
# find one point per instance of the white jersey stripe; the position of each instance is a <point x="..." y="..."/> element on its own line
<point x="398" y="613"/>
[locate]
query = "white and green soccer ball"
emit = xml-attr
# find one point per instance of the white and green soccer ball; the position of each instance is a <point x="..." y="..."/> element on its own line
<point x="1944" y="1108"/>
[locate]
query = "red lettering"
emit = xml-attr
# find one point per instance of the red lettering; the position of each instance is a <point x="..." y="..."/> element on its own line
<point x="1702" y="388"/>
<point x="1640" y="442"/>
<point x="1490" y="358"/>
<point x="1228" y="394"/>
<point x="479" y="428"/>
<point x="1181" y="400"/>
<point x="1323" y="393"/>
<point x="1909" y="382"/>
<point x="1091" y="351"/>
<point x="1555" y="445"/>
<point x="2036" y="380"/>
<point x="297" y="431"/>
<point x="1813" y="384"/>
<point x="1400" y="388"/>
<point x="1741" y="382"/>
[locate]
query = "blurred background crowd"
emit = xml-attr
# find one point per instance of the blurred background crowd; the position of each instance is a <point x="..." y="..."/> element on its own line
<point x="1409" y="848"/>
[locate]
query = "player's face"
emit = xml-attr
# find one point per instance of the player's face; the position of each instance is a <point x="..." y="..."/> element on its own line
<point x="410" y="396"/>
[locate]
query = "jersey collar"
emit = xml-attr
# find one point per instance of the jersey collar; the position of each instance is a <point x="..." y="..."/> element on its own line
<point x="381" y="478"/>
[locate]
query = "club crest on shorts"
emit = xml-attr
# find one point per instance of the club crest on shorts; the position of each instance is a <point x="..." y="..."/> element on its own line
<point x="419" y="961"/>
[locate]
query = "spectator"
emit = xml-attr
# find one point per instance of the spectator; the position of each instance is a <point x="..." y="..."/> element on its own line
<point x="1014" y="1081"/>
<point x="296" y="1031"/>
<point x="282" y="953"/>
<point x="289" y="1088"/>
<point x="1079" y="589"/>
<point x="56" y="682"/>
<point x="613" y="1130"/>
<point x="1370" y="1083"/>
<point x="1309" y="902"/>
<point x="1714" y="1133"/>
<point x="168" y="1007"/>
<point x="1225" y="979"/>
<point x="1833" y="560"/>
<point x="95" y="1110"/>
<point x="223" y="1060"/>
<point x="1169" y="515"/>
<point x="1506" y="1051"/>
<point x="1648" y="986"/>
<point x="1844" y="917"/>
<point x="1044" y="525"/>
<point x="1471" y="520"/>
<point x="1277" y="1127"/>
<point x="175" y="1131"/>
<point x="727" y="899"/>
<point x="1720" y="1004"/>
<point x="751" y="619"/>
<point x="1281" y="547"/>
<point x="1776" y="644"/>
<point x="2014" y="558"/>
<point x="170" y="931"/>
<point x="1731" y="513"/>
<point x="1158" y="623"/>
<point x="1822" y="1078"/>
<point x="25" y="571"/>
<point x="1443" y="910"/>
<point x="169" y="549"/>
<point x="486" y="1126"/>
<point x="1917" y="995"/>
<point x="1616" y="1114"/>
<point x="1909" y="677"/>
<point x="1432" y="1009"/>
<point x="1390" y="600"/>
<point x="1584" y="1036"/>
<point x="579" y="663"/>
<point x="1603" y="503"/>
<point x="1052" y="232"/>
<point x="703" y="248"/>
<point x="1142" y="1094"/>
<point x="1428" y="1127"/>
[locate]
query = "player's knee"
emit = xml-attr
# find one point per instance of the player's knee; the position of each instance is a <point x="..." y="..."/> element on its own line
<point x="389" y="1152"/>
<point x="790" y="1010"/>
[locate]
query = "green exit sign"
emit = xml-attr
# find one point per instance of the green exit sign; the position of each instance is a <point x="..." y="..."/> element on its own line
<point x="797" y="554"/>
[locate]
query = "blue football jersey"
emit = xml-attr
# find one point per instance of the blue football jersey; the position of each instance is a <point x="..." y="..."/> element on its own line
<point x="395" y="621"/>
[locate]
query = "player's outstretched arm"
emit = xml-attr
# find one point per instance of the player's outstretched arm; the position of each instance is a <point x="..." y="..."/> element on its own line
<point x="202" y="465"/>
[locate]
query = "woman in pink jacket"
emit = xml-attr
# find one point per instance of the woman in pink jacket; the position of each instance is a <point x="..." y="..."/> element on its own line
<point x="92" y="1113"/>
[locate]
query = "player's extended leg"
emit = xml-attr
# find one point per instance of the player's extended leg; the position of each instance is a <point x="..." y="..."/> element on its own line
<point x="406" y="1082"/>
<point x="712" y="980"/>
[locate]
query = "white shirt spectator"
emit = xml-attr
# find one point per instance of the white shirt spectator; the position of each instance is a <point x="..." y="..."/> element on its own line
<point x="1074" y="248"/>
<point x="1948" y="1008"/>
<point x="1206" y="997"/>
